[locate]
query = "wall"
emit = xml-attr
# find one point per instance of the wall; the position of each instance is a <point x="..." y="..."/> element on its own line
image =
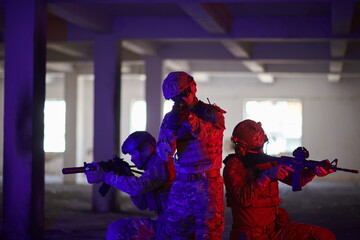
<point x="330" y="114"/>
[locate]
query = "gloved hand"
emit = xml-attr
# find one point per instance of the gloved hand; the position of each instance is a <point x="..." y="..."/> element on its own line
<point x="322" y="172"/>
<point x="278" y="172"/>
<point x="95" y="176"/>
<point x="177" y="116"/>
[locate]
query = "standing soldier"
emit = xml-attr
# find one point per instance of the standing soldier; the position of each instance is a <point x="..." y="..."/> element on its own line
<point x="191" y="134"/>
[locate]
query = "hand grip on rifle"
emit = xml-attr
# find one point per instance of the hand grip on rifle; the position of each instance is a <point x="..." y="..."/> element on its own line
<point x="116" y="165"/>
<point x="299" y="162"/>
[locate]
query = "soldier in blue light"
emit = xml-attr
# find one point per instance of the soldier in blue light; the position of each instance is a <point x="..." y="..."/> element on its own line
<point x="149" y="191"/>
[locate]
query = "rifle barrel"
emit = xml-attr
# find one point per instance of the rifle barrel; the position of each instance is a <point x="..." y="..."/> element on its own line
<point x="347" y="170"/>
<point x="73" y="170"/>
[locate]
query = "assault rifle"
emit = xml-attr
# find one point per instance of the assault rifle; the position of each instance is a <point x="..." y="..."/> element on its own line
<point x="299" y="162"/>
<point x="116" y="165"/>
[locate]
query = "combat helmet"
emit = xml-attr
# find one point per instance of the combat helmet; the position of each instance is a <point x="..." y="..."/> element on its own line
<point x="175" y="83"/>
<point x="135" y="140"/>
<point x="247" y="135"/>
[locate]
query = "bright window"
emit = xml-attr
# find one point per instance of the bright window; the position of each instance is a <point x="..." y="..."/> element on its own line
<point x="138" y="116"/>
<point x="281" y="121"/>
<point x="54" y="126"/>
<point x="168" y="104"/>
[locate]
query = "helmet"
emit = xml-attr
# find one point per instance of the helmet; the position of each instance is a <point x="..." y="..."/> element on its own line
<point x="135" y="140"/>
<point x="175" y="83"/>
<point x="248" y="134"/>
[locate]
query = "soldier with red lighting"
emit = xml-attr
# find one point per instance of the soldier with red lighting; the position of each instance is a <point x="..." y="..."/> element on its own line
<point x="191" y="135"/>
<point x="149" y="191"/>
<point x="252" y="192"/>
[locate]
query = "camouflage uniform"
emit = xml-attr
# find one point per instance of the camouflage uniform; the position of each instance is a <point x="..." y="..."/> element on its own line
<point x="149" y="191"/>
<point x="196" y="206"/>
<point x="254" y="197"/>
<point x="146" y="192"/>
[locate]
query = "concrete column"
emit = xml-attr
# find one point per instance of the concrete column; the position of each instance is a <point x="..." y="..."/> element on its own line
<point x="106" y="109"/>
<point x="153" y="94"/>
<point x="71" y="129"/>
<point x="25" y="57"/>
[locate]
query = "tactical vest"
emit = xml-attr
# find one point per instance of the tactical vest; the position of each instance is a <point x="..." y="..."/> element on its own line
<point x="269" y="197"/>
<point x="198" y="152"/>
<point x="192" y="151"/>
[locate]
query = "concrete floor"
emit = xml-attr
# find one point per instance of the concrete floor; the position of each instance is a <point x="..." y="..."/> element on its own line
<point x="334" y="205"/>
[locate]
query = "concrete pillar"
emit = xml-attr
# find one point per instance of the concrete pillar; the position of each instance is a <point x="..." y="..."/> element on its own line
<point x="70" y="130"/>
<point x="153" y="94"/>
<point x="23" y="179"/>
<point x="106" y="109"/>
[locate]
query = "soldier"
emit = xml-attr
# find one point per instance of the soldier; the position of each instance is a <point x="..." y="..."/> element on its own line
<point x="149" y="191"/>
<point x="192" y="132"/>
<point x="252" y="192"/>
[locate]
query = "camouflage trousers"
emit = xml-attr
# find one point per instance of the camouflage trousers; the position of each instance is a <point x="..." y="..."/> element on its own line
<point x="196" y="210"/>
<point x="136" y="229"/>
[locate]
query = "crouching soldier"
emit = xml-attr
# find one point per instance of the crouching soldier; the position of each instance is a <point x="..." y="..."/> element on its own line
<point x="149" y="191"/>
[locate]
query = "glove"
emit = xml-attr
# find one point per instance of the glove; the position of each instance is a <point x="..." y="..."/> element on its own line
<point x="278" y="172"/>
<point x="95" y="176"/>
<point x="177" y="116"/>
<point x="322" y="172"/>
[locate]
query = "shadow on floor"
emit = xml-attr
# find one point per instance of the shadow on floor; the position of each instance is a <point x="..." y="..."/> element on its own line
<point x="333" y="205"/>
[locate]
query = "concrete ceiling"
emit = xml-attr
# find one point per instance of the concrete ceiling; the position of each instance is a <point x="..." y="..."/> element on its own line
<point x="266" y="40"/>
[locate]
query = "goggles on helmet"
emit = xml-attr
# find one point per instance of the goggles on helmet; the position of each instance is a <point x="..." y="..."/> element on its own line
<point x="184" y="94"/>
